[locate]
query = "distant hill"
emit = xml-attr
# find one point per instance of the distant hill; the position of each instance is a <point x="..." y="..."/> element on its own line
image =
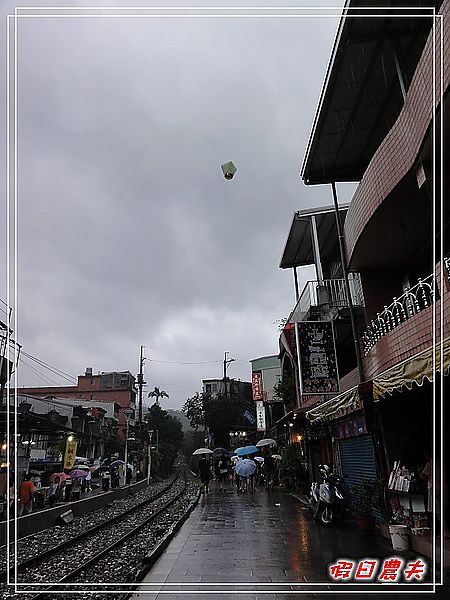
<point x="181" y="417"/>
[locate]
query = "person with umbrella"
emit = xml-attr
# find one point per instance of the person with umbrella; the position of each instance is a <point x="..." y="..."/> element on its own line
<point x="54" y="490"/>
<point x="223" y="471"/>
<point x="203" y="467"/>
<point x="244" y="469"/>
<point x="105" y="476"/>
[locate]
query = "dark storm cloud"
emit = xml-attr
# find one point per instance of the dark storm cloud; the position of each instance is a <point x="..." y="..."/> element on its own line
<point x="129" y="234"/>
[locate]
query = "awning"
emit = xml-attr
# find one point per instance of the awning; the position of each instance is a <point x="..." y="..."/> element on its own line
<point x="338" y="406"/>
<point x="413" y="370"/>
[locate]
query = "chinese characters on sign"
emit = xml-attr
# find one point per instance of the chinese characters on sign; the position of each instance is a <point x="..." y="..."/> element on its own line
<point x="69" y="456"/>
<point x="318" y="357"/>
<point x="260" y="416"/>
<point x="369" y="570"/>
<point x="257" y="385"/>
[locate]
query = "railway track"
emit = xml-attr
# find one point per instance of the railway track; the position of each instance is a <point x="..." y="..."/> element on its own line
<point x="95" y="542"/>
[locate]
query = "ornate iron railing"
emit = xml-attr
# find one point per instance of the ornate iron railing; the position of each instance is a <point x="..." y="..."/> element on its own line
<point x="447" y="264"/>
<point x="413" y="301"/>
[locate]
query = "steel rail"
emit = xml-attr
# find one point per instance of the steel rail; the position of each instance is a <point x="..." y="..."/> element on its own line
<point x="94" y="559"/>
<point x="84" y="534"/>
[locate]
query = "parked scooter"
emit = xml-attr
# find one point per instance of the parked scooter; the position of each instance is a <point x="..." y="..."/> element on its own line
<point x="326" y="499"/>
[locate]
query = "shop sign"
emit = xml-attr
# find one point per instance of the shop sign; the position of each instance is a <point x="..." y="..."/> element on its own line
<point x="318" y="357"/>
<point x="260" y="416"/>
<point x="257" y="385"/>
<point x="351" y="428"/>
<point x="70" y="454"/>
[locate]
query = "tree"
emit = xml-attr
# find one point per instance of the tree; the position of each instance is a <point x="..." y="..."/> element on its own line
<point x="157" y="394"/>
<point x="193" y="409"/>
<point x="170" y="438"/>
<point x="218" y="415"/>
<point x="285" y="390"/>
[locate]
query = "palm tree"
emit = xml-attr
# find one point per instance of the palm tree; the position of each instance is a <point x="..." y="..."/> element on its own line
<point x="157" y="394"/>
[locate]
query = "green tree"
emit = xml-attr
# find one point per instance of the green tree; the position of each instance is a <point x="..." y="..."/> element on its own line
<point x="170" y="439"/>
<point x="194" y="411"/>
<point x="218" y="415"/>
<point x="285" y="391"/>
<point x="157" y="394"/>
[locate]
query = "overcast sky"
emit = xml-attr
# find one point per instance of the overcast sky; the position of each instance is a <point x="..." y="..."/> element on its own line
<point x="128" y="233"/>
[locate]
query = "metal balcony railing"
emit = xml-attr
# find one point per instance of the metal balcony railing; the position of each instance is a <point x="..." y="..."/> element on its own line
<point x="447" y="264"/>
<point x="329" y="292"/>
<point x="413" y="301"/>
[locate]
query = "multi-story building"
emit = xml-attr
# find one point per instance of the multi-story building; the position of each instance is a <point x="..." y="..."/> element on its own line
<point x="379" y="123"/>
<point x="234" y="387"/>
<point x="266" y="374"/>
<point x="113" y="387"/>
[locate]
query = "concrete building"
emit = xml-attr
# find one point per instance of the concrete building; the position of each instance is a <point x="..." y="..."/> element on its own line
<point x="375" y="124"/>
<point x="112" y="387"/>
<point x="234" y="387"/>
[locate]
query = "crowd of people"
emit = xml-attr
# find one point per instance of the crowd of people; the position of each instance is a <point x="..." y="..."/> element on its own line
<point x="224" y="470"/>
<point x="45" y="490"/>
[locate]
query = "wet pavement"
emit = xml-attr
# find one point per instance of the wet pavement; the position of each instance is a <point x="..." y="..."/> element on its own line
<point x="259" y="546"/>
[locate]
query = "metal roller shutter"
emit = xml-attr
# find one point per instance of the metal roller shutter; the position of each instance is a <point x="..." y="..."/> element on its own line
<point x="357" y="459"/>
<point x="358" y="462"/>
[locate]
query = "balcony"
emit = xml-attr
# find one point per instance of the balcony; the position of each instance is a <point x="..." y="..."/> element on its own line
<point x="413" y="301"/>
<point x="328" y="294"/>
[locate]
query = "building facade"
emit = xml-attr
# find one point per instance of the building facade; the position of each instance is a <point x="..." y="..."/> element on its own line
<point x="394" y="318"/>
<point x="113" y="387"/>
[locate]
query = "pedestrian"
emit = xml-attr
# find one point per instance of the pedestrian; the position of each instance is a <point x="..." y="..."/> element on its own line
<point x="223" y="472"/>
<point x="203" y="467"/>
<point x="269" y="467"/>
<point x="115" y="478"/>
<point x="128" y="476"/>
<point x="76" y="489"/>
<point x="67" y="490"/>
<point x="53" y="491"/>
<point x="88" y="479"/>
<point x="26" y="491"/>
<point x="105" y="480"/>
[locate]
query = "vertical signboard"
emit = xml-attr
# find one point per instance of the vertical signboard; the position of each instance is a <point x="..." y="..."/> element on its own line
<point x="318" y="357"/>
<point x="257" y="385"/>
<point x="69" y="456"/>
<point x="260" y="416"/>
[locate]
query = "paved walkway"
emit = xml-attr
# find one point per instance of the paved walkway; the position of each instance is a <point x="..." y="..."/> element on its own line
<point x="260" y="539"/>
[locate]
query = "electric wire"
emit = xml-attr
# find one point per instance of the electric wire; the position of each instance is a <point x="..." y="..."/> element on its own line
<point x="43" y="378"/>
<point x="54" y="370"/>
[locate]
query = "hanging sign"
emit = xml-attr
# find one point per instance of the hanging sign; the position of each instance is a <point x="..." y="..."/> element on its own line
<point x="318" y="357"/>
<point x="260" y="416"/>
<point x="70" y="454"/>
<point x="257" y="385"/>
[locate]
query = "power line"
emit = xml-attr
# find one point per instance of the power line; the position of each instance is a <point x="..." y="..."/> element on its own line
<point x="43" y="378"/>
<point x="54" y="370"/>
<point x="177" y="362"/>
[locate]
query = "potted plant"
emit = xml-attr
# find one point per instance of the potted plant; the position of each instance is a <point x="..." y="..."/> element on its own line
<point x="364" y="498"/>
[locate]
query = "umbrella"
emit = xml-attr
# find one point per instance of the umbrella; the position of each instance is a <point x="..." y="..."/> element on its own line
<point x="116" y="463"/>
<point x="259" y="459"/>
<point x="220" y="451"/>
<point x="62" y="476"/>
<point x="246" y="450"/>
<point x="33" y="472"/>
<point x="234" y="458"/>
<point x="202" y="451"/>
<point x="276" y="456"/>
<point x="77" y="473"/>
<point x="266" y="442"/>
<point x="83" y="467"/>
<point x="245" y="467"/>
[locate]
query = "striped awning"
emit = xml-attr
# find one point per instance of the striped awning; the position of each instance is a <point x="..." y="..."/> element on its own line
<point x="414" y="370"/>
<point x="338" y="406"/>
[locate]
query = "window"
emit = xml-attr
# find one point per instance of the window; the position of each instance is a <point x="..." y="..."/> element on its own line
<point x="214" y="387"/>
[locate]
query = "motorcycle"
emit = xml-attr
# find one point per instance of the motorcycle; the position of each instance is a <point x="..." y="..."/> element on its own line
<point x="326" y="499"/>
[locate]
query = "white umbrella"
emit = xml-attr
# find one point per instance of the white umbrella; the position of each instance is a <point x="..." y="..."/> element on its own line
<point x="265" y="442"/>
<point x="276" y="456"/>
<point x="202" y="451"/>
<point x="259" y="459"/>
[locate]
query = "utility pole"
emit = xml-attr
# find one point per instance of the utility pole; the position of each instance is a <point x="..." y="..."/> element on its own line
<point x="141" y="382"/>
<point x="225" y="364"/>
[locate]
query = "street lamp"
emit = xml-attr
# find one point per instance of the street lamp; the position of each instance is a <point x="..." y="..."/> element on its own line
<point x="127" y="412"/>
<point x="226" y="362"/>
